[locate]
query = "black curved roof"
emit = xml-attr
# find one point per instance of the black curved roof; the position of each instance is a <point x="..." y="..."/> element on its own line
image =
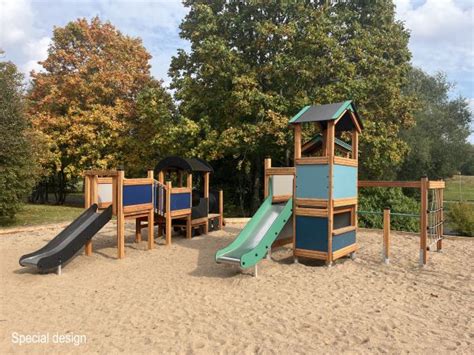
<point x="186" y="164"/>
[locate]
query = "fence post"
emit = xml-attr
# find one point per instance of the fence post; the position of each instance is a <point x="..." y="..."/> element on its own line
<point x="120" y="216"/>
<point x="439" y="244"/>
<point x="151" y="213"/>
<point x="386" y="235"/>
<point x="423" y="221"/>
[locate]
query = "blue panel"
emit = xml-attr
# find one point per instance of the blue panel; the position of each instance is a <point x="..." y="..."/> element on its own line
<point x="312" y="233"/>
<point x="345" y="181"/>
<point x="180" y="201"/>
<point x="312" y="181"/>
<point x="343" y="240"/>
<point x="137" y="194"/>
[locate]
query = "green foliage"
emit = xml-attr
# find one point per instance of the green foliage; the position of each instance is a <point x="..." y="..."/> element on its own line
<point x="18" y="167"/>
<point x="376" y="199"/>
<point x="438" y="143"/>
<point x="253" y="65"/>
<point x="461" y="218"/>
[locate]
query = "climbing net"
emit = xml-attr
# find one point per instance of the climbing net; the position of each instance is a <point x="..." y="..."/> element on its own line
<point x="435" y="218"/>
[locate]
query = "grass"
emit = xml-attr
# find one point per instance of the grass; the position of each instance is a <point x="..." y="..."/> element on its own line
<point x="459" y="187"/>
<point x="31" y="215"/>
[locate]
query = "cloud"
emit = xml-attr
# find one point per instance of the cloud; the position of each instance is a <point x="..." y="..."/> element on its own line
<point x="442" y="37"/>
<point x="16" y="18"/>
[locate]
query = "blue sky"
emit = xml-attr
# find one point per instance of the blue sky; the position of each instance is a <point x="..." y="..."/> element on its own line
<point x="442" y="32"/>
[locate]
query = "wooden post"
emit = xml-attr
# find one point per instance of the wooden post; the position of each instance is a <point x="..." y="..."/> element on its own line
<point x="138" y="230"/>
<point x="88" y="201"/>
<point x="221" y="209"/>
<point x="330" y="149"/>
<point x="87" y="191"/>
<point x="206" y="195"/>
<point x="297" y="134"/>
<point x="424" y="221"/>
<point x="161" y="177"/>
<point x="439" y="244"/>
<point x="355" y="144"/>
<point x="386" y="235"/>
<point x="120" y="216"/>
<point x="266" y="178"/>
<point x="168" y="213"/>
<point x="189" y="183"/>
<point x="151" y="215"/>
<point x="189" y="227"/>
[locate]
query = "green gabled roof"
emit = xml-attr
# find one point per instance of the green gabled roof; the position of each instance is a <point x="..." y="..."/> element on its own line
<point x="322" y="113"/>
<point x="319" y="138"/>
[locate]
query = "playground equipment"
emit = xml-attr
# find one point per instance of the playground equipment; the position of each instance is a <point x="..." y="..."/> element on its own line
<point x="138" y="198"/>
<point x="322" y="191"/>
<point x="207" y="213"/>
<point x="431" y="214"/>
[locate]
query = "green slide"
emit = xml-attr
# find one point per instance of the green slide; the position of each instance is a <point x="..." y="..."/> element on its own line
<point x="254" y="241"/>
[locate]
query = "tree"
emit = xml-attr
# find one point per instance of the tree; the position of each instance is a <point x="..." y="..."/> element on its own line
<point x="438" y="142"/>
<point x="150" y="129"/>
<point x="18" y="166"/>
<point x="253" y="65"/>
<point x="85" y="99"/>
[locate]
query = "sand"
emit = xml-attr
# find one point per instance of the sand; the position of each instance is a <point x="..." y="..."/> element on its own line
<point x="178" y="300"/>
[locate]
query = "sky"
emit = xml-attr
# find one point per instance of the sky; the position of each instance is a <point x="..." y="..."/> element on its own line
<point x="442" y="32"/>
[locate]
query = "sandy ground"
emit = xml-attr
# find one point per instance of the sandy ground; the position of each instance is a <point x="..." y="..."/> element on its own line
<point x="177" y="300"/>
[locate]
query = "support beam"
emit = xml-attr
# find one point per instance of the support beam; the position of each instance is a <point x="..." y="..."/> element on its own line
<point x="151" y="217"/>
<point x="120" y="216"/>
<point x="386" y="235"/>
<point x="297" y="133"/>
<point x="424" y="221"/>
<point x="267" y="165"/>
<point x="168" y="213"/>
<point x="330" y="148"/>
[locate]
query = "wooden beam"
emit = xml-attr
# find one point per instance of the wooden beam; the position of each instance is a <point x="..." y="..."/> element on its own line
<point x="267" y="164"/>
<point x="345" y="161"/>
<point x="440" y="184"/>
<point x="280" y="171"/>
<point x="344" y="251"/>
<point x="151" y="215"/>
<point x="386" y="235"/>
<point x="168" y="213"/>
<point x="424" y="221"/>
<point x="311" y="212"/>
<point x="101" y="173"/>
<point x="139" y="181"/>
<point x="138" y="230"/>
<point x="281" y="198"/>
<point x="311" y="202"/>
<point x="355" y="145"/>
<point x="342" y="202"/>
<point x="120" y="217"/>
<point x="221" y="209"/>
<point x="297" y="138"/>
<point x="365" y="183"/>
<point x="312" y="161"/>
<point x="343" y="230"/>
<point x="330" y="146"/>
<point x="313" y="254"/>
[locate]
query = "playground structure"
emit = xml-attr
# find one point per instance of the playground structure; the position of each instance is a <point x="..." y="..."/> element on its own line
<point x="314" y="205"/>
<point x="431" y="214"/>
<point x="142" y="199"/>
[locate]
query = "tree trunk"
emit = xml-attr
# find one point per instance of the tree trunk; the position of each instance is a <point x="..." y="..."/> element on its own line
<point x="257" y="184"/>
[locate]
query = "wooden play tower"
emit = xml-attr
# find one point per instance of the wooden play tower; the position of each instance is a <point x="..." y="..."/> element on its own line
<point x="325" y="187"/>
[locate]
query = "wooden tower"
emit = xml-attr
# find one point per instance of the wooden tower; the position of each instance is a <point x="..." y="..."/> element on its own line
<point x="325" y="191"/>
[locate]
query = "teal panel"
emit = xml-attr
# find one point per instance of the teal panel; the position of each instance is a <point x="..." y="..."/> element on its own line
<point x="312" y="181"/>
<point x="345" y="181"/>
<point x="343" y="240"/>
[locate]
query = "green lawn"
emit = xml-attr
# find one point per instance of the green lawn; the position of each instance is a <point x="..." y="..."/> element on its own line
<point x="459" y="187"/>
<point x="42" y="214"/>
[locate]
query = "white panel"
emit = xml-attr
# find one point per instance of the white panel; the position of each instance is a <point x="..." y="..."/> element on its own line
<point x="105" y="193"/>
<point x="282" y="185"/>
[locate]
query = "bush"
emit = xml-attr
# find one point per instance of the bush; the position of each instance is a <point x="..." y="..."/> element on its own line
<point x="461" y="217"/>
<point x="376" y="199"/>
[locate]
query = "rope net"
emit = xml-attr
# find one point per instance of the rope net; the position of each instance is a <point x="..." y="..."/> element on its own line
<point x="435" y="217"/>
